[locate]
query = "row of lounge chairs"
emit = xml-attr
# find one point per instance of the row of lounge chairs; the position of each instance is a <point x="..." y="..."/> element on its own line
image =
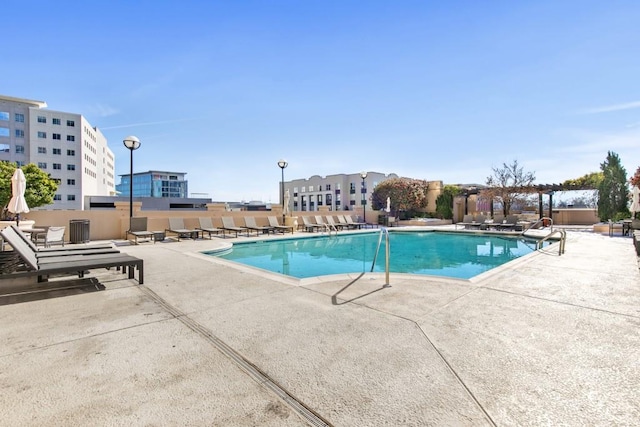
<point x="139" y="228"/>
<point x="498" y="222"/>
<point x="229" y="228"/>
<point x="329" y="224"/>
<point x="27" y="260"/>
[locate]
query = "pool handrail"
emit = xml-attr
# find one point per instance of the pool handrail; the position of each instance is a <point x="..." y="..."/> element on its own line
<point x="383" y="230"/>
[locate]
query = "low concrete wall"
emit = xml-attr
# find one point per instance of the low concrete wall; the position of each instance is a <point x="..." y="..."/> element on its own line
<point x="113" y="224"/>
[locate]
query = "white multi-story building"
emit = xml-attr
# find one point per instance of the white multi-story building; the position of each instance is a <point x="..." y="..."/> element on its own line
<point x="64" y="145"/>
<point x="336" y="192"/>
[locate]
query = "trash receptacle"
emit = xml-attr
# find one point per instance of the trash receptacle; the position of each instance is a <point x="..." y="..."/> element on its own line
<point x="79" y="231"/>
<point x="383" y="220"/>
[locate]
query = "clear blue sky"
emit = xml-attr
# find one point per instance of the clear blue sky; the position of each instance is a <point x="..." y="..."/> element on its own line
<point x="433" y="90"/>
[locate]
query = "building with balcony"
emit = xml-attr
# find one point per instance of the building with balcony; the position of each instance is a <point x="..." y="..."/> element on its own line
<point x="336" y="192"/>
<point x="64" y="145"/>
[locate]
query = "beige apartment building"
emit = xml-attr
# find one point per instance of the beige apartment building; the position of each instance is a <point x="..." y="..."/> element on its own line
<point x="336" y="192"/>
<point x="65" y="145"/>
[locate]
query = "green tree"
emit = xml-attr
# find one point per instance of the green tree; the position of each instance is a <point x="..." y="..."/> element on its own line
<point x="590" y="180"/>
<point x="613" y="193"/>
<point x="509" y="185"/>
<point x="444" y="202"/>
<point x="406" y="195"/>
<point x="40" y="186"/>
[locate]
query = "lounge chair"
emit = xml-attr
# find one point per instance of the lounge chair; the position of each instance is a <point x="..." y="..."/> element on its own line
<point x="310" y="226"/>
<point x="477" y="223"/>
<point x="31" y="265"/>
<point x="96" y="248"/>
<point x="332" y="224"/>
<point x="322" y="224"/>
<point x="229" y="225"/>
<point x="139" y="230"/>
<point x="466" y="222"/>
<point x="53" y="236"/>
<point x="273" y="222"/>
<point x="206" y="226"/>
<point x="176" y="226"/>
<point x="509" y="224"/>
<point x="343" y="222"/>
<point x="354" y="223"/>
<point x="494" y="223"/>
<point x="250" y="223"/>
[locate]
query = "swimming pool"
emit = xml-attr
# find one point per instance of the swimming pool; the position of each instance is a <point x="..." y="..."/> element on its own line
<point x="457" y="255"/>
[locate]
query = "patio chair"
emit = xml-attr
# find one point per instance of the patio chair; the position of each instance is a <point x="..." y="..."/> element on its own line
<point x="250" y="223"/>
<point x="229" y="225"/>
<point x="32" y="265"/>
<point x="206" y="226"/>
<point x="138" y="229"/>
<point x="273" y="222"/>
<point x="176" y="226"/>
<point x="53" y="236"/>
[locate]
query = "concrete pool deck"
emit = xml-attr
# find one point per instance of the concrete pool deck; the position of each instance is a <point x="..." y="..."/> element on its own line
<point x="546" y="340"/>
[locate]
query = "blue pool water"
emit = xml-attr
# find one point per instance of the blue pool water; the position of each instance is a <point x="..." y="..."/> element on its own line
<point x="429" y="253"/>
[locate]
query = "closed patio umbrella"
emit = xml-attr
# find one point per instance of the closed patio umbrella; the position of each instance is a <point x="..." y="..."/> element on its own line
<point x="635" y="201"/>
<point x="18" y="204"/>
<point x="287" y="198"/>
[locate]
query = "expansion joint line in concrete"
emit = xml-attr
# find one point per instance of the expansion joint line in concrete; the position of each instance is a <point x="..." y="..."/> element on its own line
<point x="262" y="378"/>
<point x="454" y="373"/>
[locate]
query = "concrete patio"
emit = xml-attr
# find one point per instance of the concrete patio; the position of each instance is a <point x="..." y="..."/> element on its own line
<point x="545" y="340"/>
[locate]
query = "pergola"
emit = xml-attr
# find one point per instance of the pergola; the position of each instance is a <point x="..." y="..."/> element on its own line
<point x="541" y="189"/>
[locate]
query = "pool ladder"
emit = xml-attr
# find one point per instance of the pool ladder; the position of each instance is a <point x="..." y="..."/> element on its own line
<point x="383" y="232"/>
<point x="561" y="232"/>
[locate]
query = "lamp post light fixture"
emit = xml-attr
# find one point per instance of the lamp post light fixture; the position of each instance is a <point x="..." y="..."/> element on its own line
<point x="132" y="143"/>
<point x="282" y="163"/>
<point x="363" y="175"/>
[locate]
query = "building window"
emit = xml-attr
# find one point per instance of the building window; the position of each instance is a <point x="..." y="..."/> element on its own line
<point x="310" y="188"/>
<point x="57" y="197"/>
<point x="71" y="152"/>
<point x="19" y="117"/>
<point x="42" y="119"/>
<point x="4" y="132"/>
<point x="328" y="187"/>
<point x="42" y="165"/>
<point x="19" y="133"/>
<point x="302" y="190"/>
<point x="57" y="166"/>
<point x="71" y="167"/>
<point x="57" y="151"/>
<point x="42" y="134"/>
<point x="5" y="148"/>
<point x="56" y="136"/>
<point x="19" y="163"/>
<point x="71" y="138"/>
<point x="19" y="149"/>
<point x="71" y="182"/>
<point x="71" y="197"/>
<point x="42" y="150"/>
<point x="71" y="123"/>
<point x="55" y="121"/>
<point x="319" y="199"/>
<point x="4" y="115"/>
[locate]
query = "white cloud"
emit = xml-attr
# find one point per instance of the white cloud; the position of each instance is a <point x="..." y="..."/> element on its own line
<point x="610" y="108"/>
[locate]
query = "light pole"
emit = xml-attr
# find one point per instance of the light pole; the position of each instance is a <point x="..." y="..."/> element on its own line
<point x="363" y="175"/>
<point x="132" y="143"/>
<point x="282" y="163"/>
